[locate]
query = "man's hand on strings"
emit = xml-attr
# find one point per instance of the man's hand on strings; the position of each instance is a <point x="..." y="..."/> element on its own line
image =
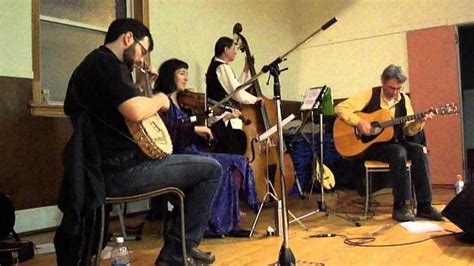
<point x="364" y="127"/>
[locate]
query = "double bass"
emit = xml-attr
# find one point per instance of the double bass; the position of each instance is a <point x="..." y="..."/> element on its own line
<point x="263" y="116"/>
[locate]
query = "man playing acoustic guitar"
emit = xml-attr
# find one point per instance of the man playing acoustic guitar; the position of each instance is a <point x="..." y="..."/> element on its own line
<point x="398" y="150"/>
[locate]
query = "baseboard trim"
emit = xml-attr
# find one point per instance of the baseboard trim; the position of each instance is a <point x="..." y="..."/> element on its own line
<point x="48" y="217"/>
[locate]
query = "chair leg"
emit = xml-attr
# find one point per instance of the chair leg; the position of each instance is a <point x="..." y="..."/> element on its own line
<point x="413" y="192"/>
<point x="183" y="230"/>
<point x="366" y="211"/>
<point x="122" y="222"/>
<point x="91" y="235"/>
<point x="101" y="236"/>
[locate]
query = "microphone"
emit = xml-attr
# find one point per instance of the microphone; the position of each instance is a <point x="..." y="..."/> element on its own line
<point x="190" y="119"/>
<point x="323" y="235"/>
<point x="329" y="23"/>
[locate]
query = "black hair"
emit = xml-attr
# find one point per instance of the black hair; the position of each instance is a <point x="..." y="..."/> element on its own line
<point x="219" y="48"/>
<point x="221" y="44"/>
<point x="165" y="82"/>
<point x="124" y="25"/>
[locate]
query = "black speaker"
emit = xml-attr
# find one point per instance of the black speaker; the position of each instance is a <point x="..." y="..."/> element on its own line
<point x="460" y="211"/>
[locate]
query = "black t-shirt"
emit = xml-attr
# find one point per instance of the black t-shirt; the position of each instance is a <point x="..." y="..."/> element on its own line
<point x="101" y="83"/>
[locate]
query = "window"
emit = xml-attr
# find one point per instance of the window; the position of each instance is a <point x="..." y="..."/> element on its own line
<point x="64" y="32"/>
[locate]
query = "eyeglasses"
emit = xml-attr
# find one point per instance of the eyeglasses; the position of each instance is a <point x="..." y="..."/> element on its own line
<point x="144" y="51"/>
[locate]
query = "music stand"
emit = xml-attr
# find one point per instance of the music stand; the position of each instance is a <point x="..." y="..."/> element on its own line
<point x="269" y="188"/>
<point x="313" y="101"/>
<point x="318" y="104"/>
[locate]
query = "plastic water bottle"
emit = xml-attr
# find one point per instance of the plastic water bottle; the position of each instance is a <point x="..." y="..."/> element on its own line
<point x="459" y="185"/>
<point x="120" y="254"/>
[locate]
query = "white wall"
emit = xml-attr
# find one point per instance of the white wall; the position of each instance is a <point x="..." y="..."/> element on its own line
<point x="16" y="42"/>
<point x="189" y="29"/>
<point x="370" y="35"/>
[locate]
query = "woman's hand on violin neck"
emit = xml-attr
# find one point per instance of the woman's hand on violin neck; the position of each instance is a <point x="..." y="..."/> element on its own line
<point x="204" y="132"/>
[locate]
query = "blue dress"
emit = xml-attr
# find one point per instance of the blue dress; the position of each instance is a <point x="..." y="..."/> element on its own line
<point x="225" y="213"/>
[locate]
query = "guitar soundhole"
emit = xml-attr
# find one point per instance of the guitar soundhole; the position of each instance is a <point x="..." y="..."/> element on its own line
<point x="376" y="129"/>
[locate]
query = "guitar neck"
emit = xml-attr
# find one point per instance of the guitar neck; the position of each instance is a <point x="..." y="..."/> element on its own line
<point x="403" y="119"/>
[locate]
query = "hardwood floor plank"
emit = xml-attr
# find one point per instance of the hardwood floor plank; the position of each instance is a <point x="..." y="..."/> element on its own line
<point x="263" y="250"/>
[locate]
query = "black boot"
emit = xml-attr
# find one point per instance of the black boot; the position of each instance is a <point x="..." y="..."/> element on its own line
<point x="425" y="210"/>
<point x="171" y="255"/>
<point x="201" y="256"/>
<point x="402" y="212"/>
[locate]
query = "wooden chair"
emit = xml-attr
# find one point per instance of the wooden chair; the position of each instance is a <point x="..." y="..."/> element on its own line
<point x="377" y="167"/>
<point x="143" y="196"/>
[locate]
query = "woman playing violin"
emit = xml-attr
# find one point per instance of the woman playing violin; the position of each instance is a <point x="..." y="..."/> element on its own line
<point x="225" y="211"/>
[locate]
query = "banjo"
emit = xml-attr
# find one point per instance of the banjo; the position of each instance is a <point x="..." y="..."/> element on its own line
<point x="150" y="134"/>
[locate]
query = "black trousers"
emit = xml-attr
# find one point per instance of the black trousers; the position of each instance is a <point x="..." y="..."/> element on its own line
<point x="396" y="154"/>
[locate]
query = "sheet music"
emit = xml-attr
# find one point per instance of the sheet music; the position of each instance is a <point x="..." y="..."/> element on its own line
<point x="310" y="96"/>
<point x="273" y="129"/>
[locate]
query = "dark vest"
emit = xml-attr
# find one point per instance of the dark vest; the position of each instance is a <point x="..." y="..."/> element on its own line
<point x="400" y="110"/>
<point x="214" y="89"/>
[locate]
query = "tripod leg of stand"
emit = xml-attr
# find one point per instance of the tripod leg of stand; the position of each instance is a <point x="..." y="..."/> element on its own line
<point x="258" y="215"/>
<point x="297" y="220"/>
<point x="298" y="186"/>
<point x="303" y="216"/>
<point x="311" y="190"/>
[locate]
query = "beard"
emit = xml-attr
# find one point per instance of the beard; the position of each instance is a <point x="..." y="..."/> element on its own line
<point x="129" y="57"/>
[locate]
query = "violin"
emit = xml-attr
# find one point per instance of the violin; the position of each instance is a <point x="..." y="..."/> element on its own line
<point x="196" y="103"/>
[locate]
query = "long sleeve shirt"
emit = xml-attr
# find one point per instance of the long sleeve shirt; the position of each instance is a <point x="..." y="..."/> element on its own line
<point x="348" y="108"/>
<point x="229" y="82"/>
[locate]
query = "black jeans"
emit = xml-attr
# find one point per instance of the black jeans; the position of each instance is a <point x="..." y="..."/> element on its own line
<point x="197" y="176"/>
<point x="396" y="154"/>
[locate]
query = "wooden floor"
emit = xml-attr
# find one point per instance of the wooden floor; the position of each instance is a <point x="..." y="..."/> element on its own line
<point x="442" y="249"/>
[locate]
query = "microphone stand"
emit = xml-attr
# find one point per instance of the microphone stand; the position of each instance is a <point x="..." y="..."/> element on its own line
<point x="286" y="256"/>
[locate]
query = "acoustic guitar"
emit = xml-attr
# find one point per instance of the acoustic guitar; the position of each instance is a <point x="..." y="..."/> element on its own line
<point x="351" y="143"/>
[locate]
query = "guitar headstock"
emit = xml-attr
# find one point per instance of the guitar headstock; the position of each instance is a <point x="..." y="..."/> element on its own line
<point x="447" y="109"/>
